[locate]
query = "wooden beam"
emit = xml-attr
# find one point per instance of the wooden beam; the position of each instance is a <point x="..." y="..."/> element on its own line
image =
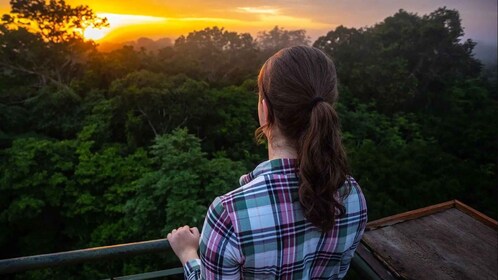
<point x="410" y="215"/>
<point x="476" y="215"/>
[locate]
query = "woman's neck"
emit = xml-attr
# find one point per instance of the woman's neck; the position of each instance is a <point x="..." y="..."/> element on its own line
<point x="278" y="148"/>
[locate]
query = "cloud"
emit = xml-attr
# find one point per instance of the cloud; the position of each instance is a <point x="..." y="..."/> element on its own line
<point x="125" y="19"/>
<point x="258" y="10"/>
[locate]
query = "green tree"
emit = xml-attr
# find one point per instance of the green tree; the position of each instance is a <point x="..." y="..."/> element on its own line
<point x="34" y="176"/>
<point x="181" y="187"/>
<point x="216" y="55"/>
<point x="54" y="20"/>
<point x="44" y="39"/>
<point x="279" y="38"/>
<point x="402" y="63"/>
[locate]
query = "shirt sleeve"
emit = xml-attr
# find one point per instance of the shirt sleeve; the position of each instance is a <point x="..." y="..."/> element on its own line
<point x="220" y="256"/>
<point x="349" y="254"/>
<point x="192" y="269"/>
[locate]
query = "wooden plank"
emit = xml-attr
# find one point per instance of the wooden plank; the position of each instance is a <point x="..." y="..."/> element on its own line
<point x="410" y="215"/>
<point x="456" y="245"/>
<point x="476" y="214"/>
<point x="445" y="245"/>
<point x="389" y="247"/>
<point x="374" y="262"/>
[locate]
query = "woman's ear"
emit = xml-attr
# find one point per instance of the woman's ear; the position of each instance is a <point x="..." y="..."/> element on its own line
<point x="264" y="108"/>
<point x="262" y="112"/>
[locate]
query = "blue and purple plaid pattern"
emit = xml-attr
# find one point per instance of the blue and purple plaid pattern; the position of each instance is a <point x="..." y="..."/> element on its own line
<point x="258" y="231"/>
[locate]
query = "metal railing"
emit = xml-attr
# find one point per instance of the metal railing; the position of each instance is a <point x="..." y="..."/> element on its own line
<point x="92" y="254"/>
<point x="125" y="250"/>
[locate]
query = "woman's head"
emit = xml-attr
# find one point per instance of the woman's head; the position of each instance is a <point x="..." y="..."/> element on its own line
<point x="298" y="87"/>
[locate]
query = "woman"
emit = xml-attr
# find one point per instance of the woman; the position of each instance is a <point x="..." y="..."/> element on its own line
<point x="298" y="215"/>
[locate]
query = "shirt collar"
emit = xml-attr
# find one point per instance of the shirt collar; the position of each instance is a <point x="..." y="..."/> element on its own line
<point x="274" y="166"/>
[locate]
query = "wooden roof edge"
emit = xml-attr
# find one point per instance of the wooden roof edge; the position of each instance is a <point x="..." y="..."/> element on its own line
<point x="483" y="218"/>
<point x="410" y="215"/>
<point x="429" y="210"/>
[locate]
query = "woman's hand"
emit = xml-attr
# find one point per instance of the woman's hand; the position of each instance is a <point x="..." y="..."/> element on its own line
<point x="184" y="241"/>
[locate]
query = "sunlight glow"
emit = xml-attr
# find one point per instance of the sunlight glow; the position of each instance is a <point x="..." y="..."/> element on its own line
<point x="120" y="20"/>
<point x="124" y="27"/>
<point x="95" y="34"/>
<point x="258" y="10"/>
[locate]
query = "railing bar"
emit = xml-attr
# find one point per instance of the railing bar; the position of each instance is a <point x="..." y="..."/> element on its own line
<point x="84" y="255"/>
<point x="116" y="251"/>
<point x="150" y="275"/>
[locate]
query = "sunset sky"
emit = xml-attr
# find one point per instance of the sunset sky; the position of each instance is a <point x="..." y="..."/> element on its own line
<point x="131" y="19"/>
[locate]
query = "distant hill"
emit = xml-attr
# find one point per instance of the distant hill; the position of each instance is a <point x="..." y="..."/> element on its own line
<point x="143" y="42"/>
<point x="486" y="53"/>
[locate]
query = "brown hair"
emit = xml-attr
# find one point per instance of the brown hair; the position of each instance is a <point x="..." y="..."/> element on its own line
<point x="299" y="85"/>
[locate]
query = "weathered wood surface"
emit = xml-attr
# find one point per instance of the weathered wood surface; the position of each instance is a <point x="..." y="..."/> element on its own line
<point x="445" y="245"/>
<point x="375" y="264"/>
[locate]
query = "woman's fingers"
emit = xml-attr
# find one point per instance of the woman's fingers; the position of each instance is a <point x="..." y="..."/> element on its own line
<point x="195" y="231"/>
<point x="181" y="230"/>
<point x="184" y="233"/>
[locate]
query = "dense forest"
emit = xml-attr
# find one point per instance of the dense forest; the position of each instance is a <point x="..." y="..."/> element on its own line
<point x="100" y="148"/>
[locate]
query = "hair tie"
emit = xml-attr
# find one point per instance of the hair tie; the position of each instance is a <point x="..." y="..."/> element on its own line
<point x="315" y="101"/>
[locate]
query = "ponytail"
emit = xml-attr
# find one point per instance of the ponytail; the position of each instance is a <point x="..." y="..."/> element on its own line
<point x="322" y="167"/>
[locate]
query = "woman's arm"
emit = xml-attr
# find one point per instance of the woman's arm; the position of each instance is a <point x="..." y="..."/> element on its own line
<point x="220" y="254"/>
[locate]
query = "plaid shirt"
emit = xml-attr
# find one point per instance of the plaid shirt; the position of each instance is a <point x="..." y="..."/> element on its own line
<point x="258" y="231"/>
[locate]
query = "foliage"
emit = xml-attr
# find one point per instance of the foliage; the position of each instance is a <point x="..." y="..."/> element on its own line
<point x="54" y="20"/>
<point x="182" y="186"/>
<point x="404" y="62"/>
<point x="215" y="54"/>
<point x="44" y="39"/>
<point x="279" y="38"/>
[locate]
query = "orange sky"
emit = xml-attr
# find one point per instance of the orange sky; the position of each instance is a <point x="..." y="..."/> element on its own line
<point x="131" y="19"/>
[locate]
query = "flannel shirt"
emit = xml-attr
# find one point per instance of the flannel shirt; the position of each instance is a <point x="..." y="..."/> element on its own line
<point x="258" y="231"/>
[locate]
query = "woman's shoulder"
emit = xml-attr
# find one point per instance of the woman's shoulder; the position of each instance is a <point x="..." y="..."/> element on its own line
<point x="246" y="191"/>
<point x="238" y="205"/>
